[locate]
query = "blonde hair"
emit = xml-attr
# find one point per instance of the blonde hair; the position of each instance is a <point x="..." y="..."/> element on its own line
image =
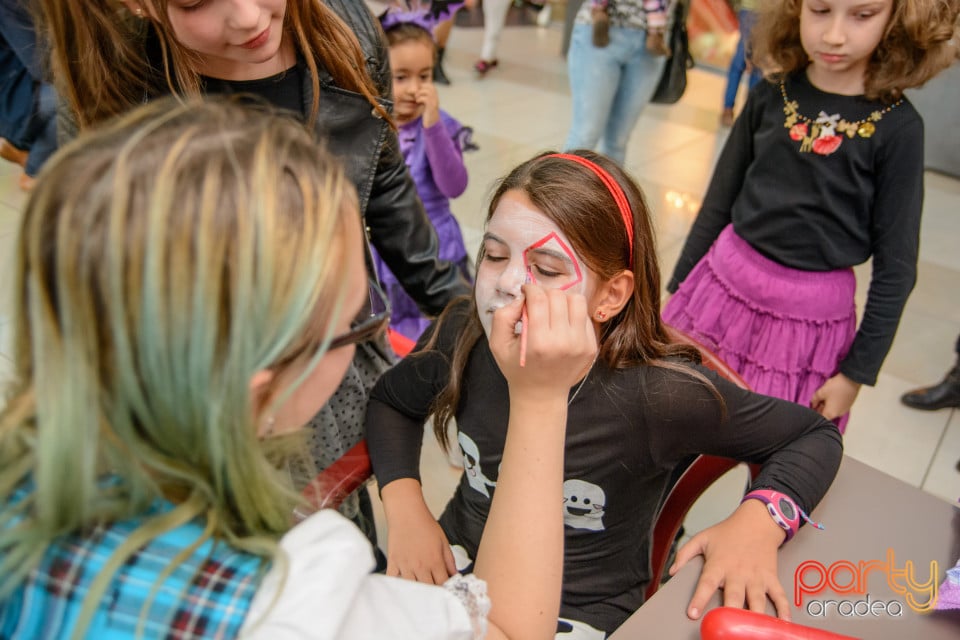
<point x="162" y="261"/>
<point x="921" y="39"/>
<point x="101" y="65"/>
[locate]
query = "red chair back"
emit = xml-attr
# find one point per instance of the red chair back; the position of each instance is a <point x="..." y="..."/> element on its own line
<point x="703" y="472"/>
<point x="710" y="359"/>
<point x="402" y="345"/>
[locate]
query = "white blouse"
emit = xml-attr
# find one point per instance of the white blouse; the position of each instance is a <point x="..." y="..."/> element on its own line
<point x="320" y="586"/>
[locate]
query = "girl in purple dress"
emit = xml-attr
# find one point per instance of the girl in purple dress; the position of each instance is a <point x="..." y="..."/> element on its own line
<point x="431" y="142"/>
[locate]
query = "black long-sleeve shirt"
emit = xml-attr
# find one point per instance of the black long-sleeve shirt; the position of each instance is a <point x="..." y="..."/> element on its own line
<point x="626" y="431"/>
<point x="823" y="212"/>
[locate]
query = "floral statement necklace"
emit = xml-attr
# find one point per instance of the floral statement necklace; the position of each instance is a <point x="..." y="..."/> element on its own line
<point x="824" y="135"/>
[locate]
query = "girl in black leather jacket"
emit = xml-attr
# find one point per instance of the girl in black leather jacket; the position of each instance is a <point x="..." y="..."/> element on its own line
<point x="327" y="62"/>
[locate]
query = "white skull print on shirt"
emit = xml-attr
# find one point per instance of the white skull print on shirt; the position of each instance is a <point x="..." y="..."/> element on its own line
<point x="471" y="465"/>
<point x="583" y="505"/>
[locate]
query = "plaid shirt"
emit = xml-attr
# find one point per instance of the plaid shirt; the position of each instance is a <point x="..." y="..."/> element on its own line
<point x="206" y="596"/>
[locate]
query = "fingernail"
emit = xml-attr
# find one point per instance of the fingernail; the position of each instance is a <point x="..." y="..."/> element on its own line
<point x="694" y="612"/>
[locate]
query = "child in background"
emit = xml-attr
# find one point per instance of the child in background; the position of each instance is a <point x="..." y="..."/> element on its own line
<point x="822" y="171"/>
<point x="430" y="141"/>
<point x="166" y="358"/>
<point x="578" y="224"/>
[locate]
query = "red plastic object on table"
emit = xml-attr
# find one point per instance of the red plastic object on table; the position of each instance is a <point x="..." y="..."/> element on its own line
<point x="728" y="623"/>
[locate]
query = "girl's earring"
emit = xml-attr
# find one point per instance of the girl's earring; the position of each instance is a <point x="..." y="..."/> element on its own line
<point x="138" y="12"/>
<point x="600" y="315"/>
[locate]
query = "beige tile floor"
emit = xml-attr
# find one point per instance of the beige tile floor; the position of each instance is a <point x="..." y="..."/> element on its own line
<point x="523" y="107"/>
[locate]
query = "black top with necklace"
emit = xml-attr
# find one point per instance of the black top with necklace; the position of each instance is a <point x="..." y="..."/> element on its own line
<point x="819" y="181"/>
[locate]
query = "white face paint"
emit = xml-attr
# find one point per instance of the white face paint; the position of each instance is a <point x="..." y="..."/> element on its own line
<point x="516" y="226"/>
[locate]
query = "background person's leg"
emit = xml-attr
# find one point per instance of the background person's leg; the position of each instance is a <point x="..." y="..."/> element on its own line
<point x="16" y="95"/>
<point x="27" y="102"/>
<point x="42" y="130"/>
<point x="441" y="34"/>
<point x="734" y="74"/>
<point x="494" y="18"/>
<point x="747" y="19"/>
<point x="638" y="80"/>
<point x="594" y="75"/>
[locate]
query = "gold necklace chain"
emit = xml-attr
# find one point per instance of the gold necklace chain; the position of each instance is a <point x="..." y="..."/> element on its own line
<point x="824" y="134"/>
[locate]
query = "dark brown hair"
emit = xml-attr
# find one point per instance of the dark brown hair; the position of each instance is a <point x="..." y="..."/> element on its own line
<point x="100" y="60"/>
<point x="410" y="32"/>
<point x="576" y="200"/>
<point x="920" y="40"/>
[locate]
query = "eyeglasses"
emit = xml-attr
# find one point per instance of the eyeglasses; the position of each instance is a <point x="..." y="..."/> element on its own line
<point x="371" y="321"/>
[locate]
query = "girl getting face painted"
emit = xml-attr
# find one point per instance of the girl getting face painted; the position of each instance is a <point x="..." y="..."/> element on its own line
<point x="523" y="245"/>
<point x="631" y="414"/>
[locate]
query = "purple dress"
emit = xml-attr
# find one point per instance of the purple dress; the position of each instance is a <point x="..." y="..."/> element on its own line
<point x="435" y="158"/>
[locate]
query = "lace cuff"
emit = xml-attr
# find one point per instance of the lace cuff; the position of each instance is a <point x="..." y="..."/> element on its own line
<point x="472" y="592"/>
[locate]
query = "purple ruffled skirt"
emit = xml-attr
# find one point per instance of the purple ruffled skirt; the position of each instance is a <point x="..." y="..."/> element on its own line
<point x="783" y="330"/>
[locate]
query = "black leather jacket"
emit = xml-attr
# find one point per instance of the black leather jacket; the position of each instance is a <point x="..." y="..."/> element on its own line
<point x="390" y="208"/>
<point x="392" y="213"/>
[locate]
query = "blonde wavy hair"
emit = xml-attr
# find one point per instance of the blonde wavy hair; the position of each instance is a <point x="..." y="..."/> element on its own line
<point x="921" y="39"/>
<point x="162" y="261"/>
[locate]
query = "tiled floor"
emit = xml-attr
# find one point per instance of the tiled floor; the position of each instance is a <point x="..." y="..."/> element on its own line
<point x="523" y="107"/>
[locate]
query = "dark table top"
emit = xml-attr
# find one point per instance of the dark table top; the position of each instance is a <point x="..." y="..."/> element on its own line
<point x="868" y="516"/>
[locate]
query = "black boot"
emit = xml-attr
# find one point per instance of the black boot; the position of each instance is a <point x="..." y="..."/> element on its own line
<point x="946" y="394"/>
<point x="438" y="75"/>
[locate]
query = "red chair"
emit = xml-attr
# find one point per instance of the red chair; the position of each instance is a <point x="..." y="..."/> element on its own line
<point x="402" y="345"/>
<point x="703" y="472"/>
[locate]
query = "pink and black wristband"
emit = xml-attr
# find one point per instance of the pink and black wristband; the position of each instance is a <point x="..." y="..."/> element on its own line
<point x="782" y="509"/>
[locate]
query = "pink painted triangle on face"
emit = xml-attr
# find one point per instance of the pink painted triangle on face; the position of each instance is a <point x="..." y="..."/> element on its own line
<point x="552" y="244"/>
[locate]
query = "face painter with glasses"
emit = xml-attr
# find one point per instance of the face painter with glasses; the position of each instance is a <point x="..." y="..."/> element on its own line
<point x="371" y="322"/>
<point x="167" y="358"/>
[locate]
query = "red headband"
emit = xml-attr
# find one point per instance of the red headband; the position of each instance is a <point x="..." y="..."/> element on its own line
<point x="613" y="187"/>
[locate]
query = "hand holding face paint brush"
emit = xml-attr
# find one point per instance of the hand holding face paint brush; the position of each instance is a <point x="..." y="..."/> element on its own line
<point x="521" y="327"/>
<point x="558" y="338"/>
<point x="550" y="245"/>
